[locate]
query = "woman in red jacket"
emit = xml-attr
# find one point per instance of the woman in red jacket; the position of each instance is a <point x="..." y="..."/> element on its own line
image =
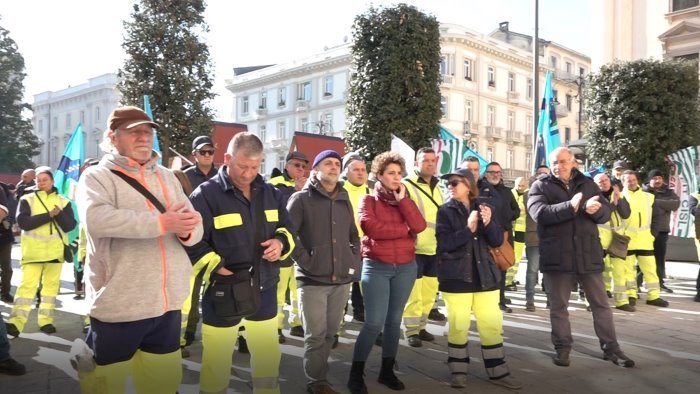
<point x="390" y="221"/>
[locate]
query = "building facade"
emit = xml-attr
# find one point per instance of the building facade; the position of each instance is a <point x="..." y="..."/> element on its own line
<point x="57" y="113"/>
<point x="486" y="95"/>
<point x="640" y="29"/>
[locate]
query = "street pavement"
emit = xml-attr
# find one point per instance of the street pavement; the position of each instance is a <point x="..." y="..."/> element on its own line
<point x="663" y="342"/>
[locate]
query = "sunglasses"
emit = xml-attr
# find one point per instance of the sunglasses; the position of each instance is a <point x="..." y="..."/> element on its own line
<point x="454" y="183"/>
<point x="206" y="152"/>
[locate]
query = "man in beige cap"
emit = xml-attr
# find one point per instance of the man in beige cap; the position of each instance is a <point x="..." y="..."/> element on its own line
<point x="137" y="272"/>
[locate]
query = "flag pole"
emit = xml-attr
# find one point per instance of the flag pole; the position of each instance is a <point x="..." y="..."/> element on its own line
<point x="535" y="83"/>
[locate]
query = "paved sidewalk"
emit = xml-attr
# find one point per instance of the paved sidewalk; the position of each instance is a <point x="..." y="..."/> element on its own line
<point x="663" y="341"/>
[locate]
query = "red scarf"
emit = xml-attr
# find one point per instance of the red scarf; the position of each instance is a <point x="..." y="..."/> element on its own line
<point x="386" y="195"/>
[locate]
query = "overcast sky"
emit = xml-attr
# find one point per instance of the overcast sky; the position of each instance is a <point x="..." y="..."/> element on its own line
<point x="65" y="42"/>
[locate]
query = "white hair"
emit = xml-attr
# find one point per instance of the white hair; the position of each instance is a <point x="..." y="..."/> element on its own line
<point x="106" y="145"/>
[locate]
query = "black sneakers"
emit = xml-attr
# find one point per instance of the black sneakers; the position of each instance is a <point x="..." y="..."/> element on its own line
<point x="12" y="330"/>
<point x="562" y="358"/>
<point x="618" y="357"/>
<point x="426" y="336"/>
<point x="626" y="308"/>
<point x="297" y="331"/>
<point x="436" y="315"/>
<point x="660" y="302"/>
<point x="12" y="367"/>
<point x="48" y="329"/>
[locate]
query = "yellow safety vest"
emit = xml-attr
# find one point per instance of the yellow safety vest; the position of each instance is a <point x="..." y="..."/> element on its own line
<point x="43" y="243"/>
<point x="425" y="243"/>
<point x="519" y="223"/>
<point x="281" y="180"/>
<point x="605" y="230"/>
<point x="355" y="194"/>
<point x="638" y="225"/>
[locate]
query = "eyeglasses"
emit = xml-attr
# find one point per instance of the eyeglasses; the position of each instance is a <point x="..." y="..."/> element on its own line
<point x="206" y="152"/>
<point x="298" y="165"/>
<point x="454" y="183"/>
<point x="494" y="172"/>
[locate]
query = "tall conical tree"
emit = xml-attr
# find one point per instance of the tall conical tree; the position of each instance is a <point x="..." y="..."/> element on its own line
<point x="395" y="82"/>
<point x="641" y="111"/>
<point x="18" y="144"/>
<point x="168" y="60"/>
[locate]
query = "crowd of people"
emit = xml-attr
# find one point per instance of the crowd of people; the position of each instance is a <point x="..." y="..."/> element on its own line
<point x="317" y="235"/>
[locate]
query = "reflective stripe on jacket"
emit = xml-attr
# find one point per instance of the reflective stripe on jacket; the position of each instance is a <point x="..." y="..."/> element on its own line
<point x="638" y="225"/>
<point x="425" y="243"/>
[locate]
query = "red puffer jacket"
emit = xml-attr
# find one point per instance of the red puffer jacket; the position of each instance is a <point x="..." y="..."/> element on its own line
<point x="390" y="230"/>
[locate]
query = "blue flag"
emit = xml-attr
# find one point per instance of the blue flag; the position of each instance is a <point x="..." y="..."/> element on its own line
<point x="547" y="128"/>
<point x="68" y="172"/>
<point x="149" y="112"/>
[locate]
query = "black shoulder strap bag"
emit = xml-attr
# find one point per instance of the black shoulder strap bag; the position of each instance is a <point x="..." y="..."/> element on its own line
<point x="67" y="251"/>
<point x="420" y="189"/>
<point x="141" y="189"/>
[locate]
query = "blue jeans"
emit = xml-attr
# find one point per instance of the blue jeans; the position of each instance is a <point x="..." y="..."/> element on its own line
<point x="533" y="265"/>
<point x="385" y="289"/>
<point x="4" y="342"/>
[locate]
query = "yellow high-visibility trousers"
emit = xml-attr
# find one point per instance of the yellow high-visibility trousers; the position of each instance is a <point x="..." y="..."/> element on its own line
<point x="49" y="275"/>
<point x="512" y="273"/>
<point x="647" y="264"/>
<point x="607" y="273"/>
<point x="265" y="355"/>
<point x="287" y="281"/>
<point x="622" y="286"/>
<point x="412" y="310"/>
<point x="153" y="373"/>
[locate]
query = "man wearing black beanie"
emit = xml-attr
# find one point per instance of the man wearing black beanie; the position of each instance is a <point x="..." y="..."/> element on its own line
<point x="665" y="202"/>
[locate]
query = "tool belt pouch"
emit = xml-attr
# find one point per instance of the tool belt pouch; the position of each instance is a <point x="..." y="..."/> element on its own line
<point x="235" y="296"/>
<point x="618" y="246"/>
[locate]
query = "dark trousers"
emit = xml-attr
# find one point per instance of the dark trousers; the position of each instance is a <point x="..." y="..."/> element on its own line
<point x="5" y="268"/>
<point x="117" y="342"/>
<point x="193" y="316"/>
<point x="560" y="285"/>
<point x="660" y="242"/>
<point x="358" y="304"/>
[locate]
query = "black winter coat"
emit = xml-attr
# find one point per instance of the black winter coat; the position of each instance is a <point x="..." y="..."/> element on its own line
<point x="569" y="241"/>
<point x="503" y="202"/>
<point x="463" y="256"/>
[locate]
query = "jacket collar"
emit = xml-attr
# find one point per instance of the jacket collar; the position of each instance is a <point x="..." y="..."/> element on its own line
<point x="313" y="184"/>
<point x="129" y="164"/>
<point x="225" y="182"/>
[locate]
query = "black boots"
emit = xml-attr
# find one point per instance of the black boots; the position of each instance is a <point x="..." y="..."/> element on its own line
<point x="386" y="375"/>
<point x="356" y="382"/>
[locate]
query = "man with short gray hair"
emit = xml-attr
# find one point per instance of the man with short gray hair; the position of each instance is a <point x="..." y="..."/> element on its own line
<point x="245" y="225"/>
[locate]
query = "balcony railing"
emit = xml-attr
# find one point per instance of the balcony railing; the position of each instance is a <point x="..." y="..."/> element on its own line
<point x="448" y="78"/>
<point x="279" y="144"/>
<point x="513" y="96"/>
<point x="513" y="136"/>
<point x="261" y="112"/>
<point x="562" y="111"/>
<point x="510" y="173"/>
<point x="302" y="105"/>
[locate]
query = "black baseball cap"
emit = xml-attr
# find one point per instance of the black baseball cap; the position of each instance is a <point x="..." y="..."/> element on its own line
<point x="200" y="141"/>
<point x="463" y="172"/>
